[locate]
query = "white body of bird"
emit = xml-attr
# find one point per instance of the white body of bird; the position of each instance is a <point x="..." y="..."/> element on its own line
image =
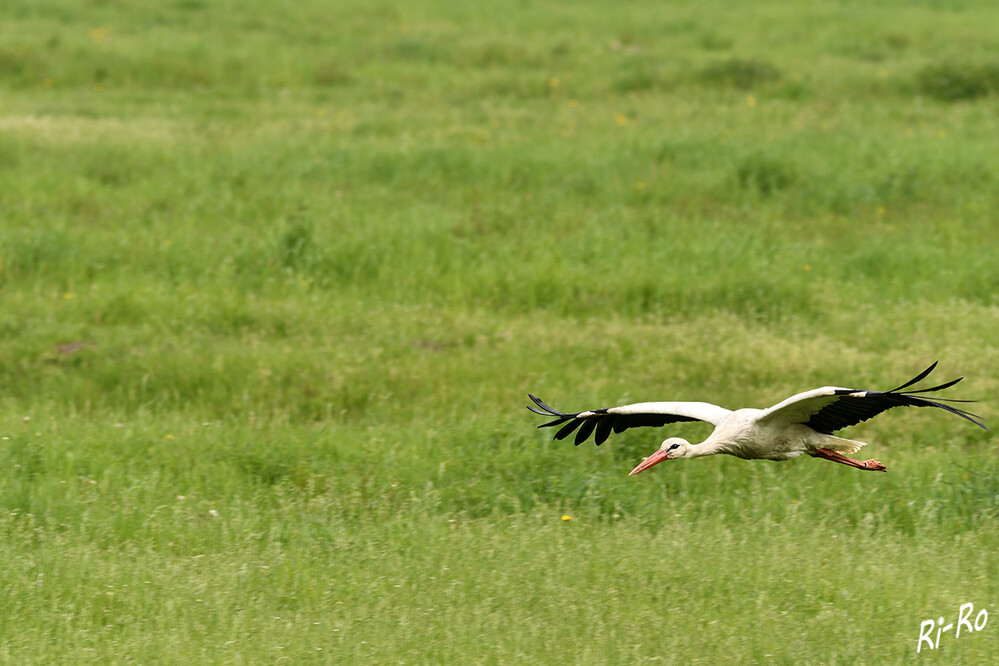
<point x="801" y="424"/>
<point x="742" y="435"/>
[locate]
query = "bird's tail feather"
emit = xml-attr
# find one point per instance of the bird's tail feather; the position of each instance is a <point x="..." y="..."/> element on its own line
<point x="842" y="445"/>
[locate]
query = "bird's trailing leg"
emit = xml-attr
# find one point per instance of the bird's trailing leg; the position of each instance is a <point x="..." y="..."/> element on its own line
<point x="869" y="465"/>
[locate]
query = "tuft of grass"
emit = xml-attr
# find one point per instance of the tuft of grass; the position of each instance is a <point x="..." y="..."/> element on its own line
<point x="763" y="174"/>
<point x="740" y="73"/>
<point x="956" y="81"/>
<point x="641" y="74"/>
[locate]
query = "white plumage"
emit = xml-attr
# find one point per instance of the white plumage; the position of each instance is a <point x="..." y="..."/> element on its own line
<point x="802" y="424"/>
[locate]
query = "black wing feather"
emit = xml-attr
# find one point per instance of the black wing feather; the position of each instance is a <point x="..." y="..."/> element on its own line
<point x="603" y="430"/>
<point x="918" y="378"/>
<point x="567" y="430"/>
<point x="585" y="431"/>
<point x="855" y="406"/>
<point x="599" y="420"/>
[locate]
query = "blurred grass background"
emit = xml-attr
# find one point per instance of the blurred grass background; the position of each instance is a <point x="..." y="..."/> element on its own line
<point x="276" y="279"/>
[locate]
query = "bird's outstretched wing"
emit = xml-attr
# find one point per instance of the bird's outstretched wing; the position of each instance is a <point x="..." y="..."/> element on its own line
<point x="831" y="408"/>
<point x="624" y="417"/>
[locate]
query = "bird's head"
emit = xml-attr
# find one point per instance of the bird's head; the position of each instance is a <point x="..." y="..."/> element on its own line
<point x="672" y="448"/>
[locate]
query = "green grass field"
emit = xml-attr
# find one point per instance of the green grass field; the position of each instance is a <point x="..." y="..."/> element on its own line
<point x="276" y="278"/>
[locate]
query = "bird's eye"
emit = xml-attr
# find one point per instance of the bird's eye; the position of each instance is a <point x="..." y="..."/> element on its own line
<point x="675" y="446"/>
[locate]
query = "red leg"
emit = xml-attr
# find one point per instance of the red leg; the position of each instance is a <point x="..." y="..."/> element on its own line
<point x="869" y="465"/>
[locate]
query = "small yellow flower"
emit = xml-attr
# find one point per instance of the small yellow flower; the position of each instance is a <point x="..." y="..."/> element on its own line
<point x="942" y="134"/>
<point x="881" y="210"/>
<point x="553" y="82"/>
<point x="99" y="34"/>
<point x="573" y="103"/>
<point x="620" y="119"/>
<point x="169" y="436"/>
<point x="750" y="101"/>
<point x="640" y="185"/>
<point x="806" y="267"/>
<point x="68" y="295"/>
<point x="566" y="517"/>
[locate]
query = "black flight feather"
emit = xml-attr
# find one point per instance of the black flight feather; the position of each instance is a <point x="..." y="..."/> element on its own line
<point x="851" y="409"/>
<point x="599" y="420"/>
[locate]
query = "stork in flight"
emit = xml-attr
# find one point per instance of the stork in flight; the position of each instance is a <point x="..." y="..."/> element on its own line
<point x="804" y="423"/>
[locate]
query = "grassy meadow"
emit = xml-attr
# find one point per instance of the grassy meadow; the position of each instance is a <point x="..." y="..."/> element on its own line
<point x="276" y="278"/>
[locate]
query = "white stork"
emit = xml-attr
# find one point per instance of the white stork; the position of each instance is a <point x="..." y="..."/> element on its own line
<point x="804" y="423"/>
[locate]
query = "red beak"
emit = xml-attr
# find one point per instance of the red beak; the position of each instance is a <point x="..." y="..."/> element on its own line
<point x="651" y="461"/>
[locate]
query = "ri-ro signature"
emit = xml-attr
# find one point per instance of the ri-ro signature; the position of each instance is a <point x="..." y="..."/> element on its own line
<point x="963" y="621"/>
